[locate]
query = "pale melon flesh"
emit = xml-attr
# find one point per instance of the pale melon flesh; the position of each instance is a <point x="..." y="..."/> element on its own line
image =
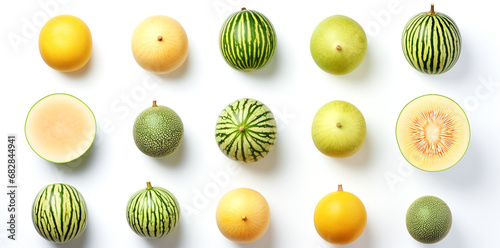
<point x="433" y="132"/>
<point x="60" y="128"/>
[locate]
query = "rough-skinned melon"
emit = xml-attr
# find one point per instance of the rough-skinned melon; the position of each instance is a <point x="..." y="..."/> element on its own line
<point x="428" y="219"/>
<point x="433" y="132"/>
<point x="60" y="128"/>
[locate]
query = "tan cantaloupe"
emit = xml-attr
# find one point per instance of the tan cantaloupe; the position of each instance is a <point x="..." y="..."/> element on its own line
<point x="159" y="44"/>
<point x="243" y="215"/>
<point x="60" y="128"/>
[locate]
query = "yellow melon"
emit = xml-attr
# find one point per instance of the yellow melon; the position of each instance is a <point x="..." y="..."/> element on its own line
<point x="60" y="128"/>
<point x="65" y="43"/>
<point x="159" y="44"/>
<point x="243" y="215"/>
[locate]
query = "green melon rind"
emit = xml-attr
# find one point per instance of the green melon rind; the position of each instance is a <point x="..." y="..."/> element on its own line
<point x="399" y="145"/>
<point x="62" y="162"/>
<point x="153" y="212"/>
<point x="247" y="40"/>
<point x="59" y="213"/>
<point x="259" y="130"/>
<point x="158" y="131"/>
<point x="427" y="227"/>
<point x="436" y="48"/>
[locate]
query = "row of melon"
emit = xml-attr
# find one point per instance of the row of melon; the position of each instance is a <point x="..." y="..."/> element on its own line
<point x="431" y="43"/>
<point x="432" y="131"/>
<point x="243" y="215"/>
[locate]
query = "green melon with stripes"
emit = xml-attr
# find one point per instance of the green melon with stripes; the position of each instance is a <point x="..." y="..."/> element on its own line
<point x="247" y="40"/>
<point x="153" y="212"/>
<point x="246" y="130"/>
<point x="431" y="42"/>
<point x="59" y="213"/>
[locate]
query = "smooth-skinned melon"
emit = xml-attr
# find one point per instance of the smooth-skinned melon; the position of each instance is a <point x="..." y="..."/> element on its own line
<point x="433" y="132"/>
<point x="60" y="128"/>
<point x="160" y="44"/>
<point x="243" y="215"/>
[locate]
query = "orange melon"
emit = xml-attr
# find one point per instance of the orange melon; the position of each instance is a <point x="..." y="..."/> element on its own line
<point x="60" y="128"/>
<point x="243" y="215"/>
<point x="340" y="217"/>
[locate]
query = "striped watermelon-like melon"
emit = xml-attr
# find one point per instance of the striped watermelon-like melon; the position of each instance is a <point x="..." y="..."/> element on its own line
<point x="153" y="212"/>
<point x="431" y="42"/>
<point x="246" y="130"/>
<point x="59" y="213"/>
<point x="247" y="40"/>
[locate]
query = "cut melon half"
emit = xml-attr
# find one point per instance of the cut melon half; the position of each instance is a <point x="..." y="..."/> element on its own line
<point x="60" y="128"/>
<point x="433" y="132"/>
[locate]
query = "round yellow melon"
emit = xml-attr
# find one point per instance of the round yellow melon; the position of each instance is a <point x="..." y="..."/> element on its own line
<point x="243" y="215"/>
<point x="65" y="43"/>
<point x="340" y="217"/>
<point x="159" y="44"/>
<point x="60" y="128"/>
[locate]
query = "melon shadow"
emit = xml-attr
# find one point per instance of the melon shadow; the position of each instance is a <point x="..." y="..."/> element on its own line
<point x="267" y="240"/>
<point x="268" y="70"/>
<point x="267" y="164"/>
<point x="171" y="240"/>
<point x="82" y="72"/>
<point x="174" y="159"/>
<point x="179" y="73"/>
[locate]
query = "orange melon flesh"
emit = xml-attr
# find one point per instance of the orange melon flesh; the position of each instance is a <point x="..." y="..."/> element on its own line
<point x="60" y="128"/>
<point x="433" y="132"/>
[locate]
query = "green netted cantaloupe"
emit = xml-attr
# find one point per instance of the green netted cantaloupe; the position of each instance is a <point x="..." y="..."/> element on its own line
<point x="428" y="219"/>
<point x="433" y="132"/>
<point x="158" y="131"/>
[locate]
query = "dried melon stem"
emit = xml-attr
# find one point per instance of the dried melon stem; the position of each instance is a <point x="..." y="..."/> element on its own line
<point x="432" y="13"/>
<point x="340" y="189"/>
<point x="154" y="104"/>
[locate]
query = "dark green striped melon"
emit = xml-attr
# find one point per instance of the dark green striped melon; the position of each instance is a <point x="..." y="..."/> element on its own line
<point x="246" y="130"/>
<point x="431" y="42"/>
<point x="247" y="40"/>
<point x="59" y="213"/>
<point x="153" y="212"/>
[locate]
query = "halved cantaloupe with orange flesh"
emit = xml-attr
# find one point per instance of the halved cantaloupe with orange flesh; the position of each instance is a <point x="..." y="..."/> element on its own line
<point x="60" y="128"/>
<point x="433" y="132"/>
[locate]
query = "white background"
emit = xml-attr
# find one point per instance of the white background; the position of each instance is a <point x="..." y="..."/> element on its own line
<point x="295" y="176"/>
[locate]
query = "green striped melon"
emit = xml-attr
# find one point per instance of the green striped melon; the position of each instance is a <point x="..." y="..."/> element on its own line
<point x="431" y="42"/>
<point x="247" y="40"/>
<point x="153" y="212"/>
<point x="59" y="213"/>
<point x="246" y="130"/>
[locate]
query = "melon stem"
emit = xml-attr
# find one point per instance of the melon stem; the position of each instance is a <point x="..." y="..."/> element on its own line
<point x="154" y="104"/>
<point x="148" y="185"/>
<point x="242" y="128"/>
<point x="243" y="217"/>
<point x="432" y="10"/>
<point x="339" y="47"/>
<point x="339" y="125"/>
<point x="340" y="188"/>
<point x="243" y="8"/>
<point x="160" y="38"/>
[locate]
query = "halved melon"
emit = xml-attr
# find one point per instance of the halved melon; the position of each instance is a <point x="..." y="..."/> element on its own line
<point x="433" y="132"/>
<point x="60" y="128"/>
